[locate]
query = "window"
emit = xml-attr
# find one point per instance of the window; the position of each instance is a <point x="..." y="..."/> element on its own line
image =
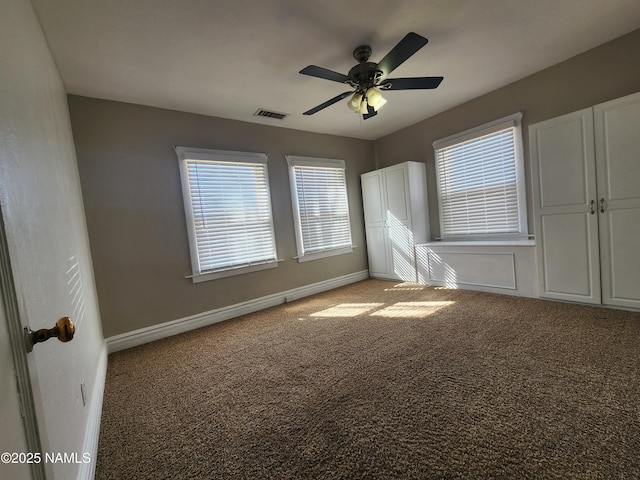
<point x="228" y="210"/>
<point x="320" y="206"/>
<point x="480" y="180"/>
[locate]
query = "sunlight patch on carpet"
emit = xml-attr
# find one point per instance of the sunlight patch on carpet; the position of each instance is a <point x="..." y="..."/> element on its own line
<point x="411" y="309"/>
<point x="405" y="287"/>
<point x="347" y="310"/>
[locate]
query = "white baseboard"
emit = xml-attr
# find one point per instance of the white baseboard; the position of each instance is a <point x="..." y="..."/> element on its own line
<point x="168" y="329"/>
<point x="92" y="432"/>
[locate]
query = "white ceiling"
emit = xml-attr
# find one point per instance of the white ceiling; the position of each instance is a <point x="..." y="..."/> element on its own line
<point x="227" y="58"/>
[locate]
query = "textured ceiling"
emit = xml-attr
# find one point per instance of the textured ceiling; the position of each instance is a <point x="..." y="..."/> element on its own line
<point x="229" y="58"/>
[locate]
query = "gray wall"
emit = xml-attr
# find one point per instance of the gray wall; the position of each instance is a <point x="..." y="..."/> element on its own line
<point x="135" y="215"/>
<point x="604" y="73"/>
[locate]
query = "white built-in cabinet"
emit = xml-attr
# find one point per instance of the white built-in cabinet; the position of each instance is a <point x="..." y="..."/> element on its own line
<point x="396" y="219"/>
<point x="586" y="190"/>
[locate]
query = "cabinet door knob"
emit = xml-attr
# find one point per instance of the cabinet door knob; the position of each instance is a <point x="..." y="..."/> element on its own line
<point x="602" y="205"/>
<point x="592" y="207"/>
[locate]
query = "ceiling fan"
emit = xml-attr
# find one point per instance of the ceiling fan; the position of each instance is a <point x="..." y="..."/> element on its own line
<point x="369" y="78"/>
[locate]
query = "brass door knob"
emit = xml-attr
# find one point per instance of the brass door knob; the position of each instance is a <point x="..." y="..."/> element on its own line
<point x="63" y="330"/>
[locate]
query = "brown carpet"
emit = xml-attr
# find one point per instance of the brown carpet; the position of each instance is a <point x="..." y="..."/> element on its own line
<point x="383" y="381"/>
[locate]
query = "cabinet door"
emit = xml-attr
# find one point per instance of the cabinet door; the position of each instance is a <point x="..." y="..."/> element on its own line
<point x="373" y="199"/>
<point x="402" y="256"/>
<point x="397" y="198"/>
<point x="566" y="222"/>
<point x="617" y="130"/>
<point x="378" y="251"/>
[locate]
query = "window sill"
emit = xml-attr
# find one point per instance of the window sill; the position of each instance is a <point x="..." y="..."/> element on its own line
<point x="327" y="253"/>
<point x="204" y="277"/>
<point x="479" y="243"/>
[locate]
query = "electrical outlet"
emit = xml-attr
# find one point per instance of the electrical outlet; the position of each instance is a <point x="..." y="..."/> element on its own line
<point x="84" y="402"/>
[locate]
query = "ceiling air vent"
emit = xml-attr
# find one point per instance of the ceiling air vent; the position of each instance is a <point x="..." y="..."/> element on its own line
<point x="261" y="112"/>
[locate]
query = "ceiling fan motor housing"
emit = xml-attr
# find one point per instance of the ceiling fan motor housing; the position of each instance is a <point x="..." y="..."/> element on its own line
<point x="364" y="75"/>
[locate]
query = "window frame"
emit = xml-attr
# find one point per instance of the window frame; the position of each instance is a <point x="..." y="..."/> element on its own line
<point x="295" y="161"/>
<point x="513" y="121"/>
<point x="186" y="154"/>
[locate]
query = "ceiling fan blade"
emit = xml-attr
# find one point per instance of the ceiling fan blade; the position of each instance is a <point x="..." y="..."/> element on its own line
<point x="371" y="112"/>
<point x="415" y="83"/>
<point x="328" y="103"/>
<point x="319" y="72"/>
<point x="410" y="44"/>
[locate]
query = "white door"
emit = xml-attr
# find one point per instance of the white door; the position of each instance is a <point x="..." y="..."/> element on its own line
<point x="48" y="254"/>
<point x="565" y="207"/>
<point x="617" y="127"/>
<point x="398" y="216"/>
<point x="375" y="220"/>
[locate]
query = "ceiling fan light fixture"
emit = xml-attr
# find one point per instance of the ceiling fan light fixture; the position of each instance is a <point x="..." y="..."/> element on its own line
<point x="363" y="106"/>
<point x="380" y="104"/>
<point x="375" y="99"/>
<point x="354" y="102"/>
<point x="373" y="96"/>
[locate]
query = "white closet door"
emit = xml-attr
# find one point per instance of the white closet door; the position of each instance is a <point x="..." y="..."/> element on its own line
<point x="617" y="127"/>
<point x="399" y="223"/>
<point x="565" y="208"/>
<point x="373" y="195"/>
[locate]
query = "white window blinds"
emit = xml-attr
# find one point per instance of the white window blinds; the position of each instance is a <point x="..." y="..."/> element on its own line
<point x="319" y="193"/>
<point x="228" y="208"/>
<point x="480" y="185"/>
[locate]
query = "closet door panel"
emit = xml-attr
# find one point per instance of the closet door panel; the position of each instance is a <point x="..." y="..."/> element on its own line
<point x="375" y="216"/>
<point x="623" y="259"/>
<point x="397" y="195"/>
<point x="402" y="253"/>
<point x="568" y="271"/>
<point x="618" y="148"/>
<point x="373" y="199"/>
<point x="566" y="222"/>
<point x="378" y="248"/>
<point x="564" y="162"/>
<point x="617" y="127"/>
